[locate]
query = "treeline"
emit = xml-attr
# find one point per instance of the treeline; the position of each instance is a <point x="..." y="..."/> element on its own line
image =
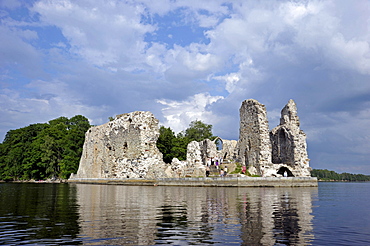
<point x="326" y="175"/>
<point x="44" y="150"/>
<point x="174" y="145"/>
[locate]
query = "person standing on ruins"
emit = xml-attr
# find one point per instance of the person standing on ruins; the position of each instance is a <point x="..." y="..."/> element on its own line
<point x="207" y="171"/>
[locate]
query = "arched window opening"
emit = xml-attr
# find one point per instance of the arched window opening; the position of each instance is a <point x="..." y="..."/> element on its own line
<point x="285" y="172"/>
<point x="219" y="144"/>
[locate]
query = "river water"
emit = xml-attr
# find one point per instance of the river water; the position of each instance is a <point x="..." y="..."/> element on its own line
<point x="67" y="214"/>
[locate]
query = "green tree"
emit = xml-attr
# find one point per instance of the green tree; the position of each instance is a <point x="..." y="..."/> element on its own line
<point x="16" y="151"/>
<point x="198" y="131"/>
<point x="52" y="155"/>
<point x="174" y="146"/>
<point x="74" y="140"/>
<point x="165" y="143"/>
<point x="42" y="151"/>
<point x="180" y="145"/>
<point x="326" y="175"/>
<point x="2" y="161"/>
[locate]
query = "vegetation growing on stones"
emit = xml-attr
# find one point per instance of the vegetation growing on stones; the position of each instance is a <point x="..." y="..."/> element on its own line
<point x="238" y="168"/>
<point x="42" y="151"/>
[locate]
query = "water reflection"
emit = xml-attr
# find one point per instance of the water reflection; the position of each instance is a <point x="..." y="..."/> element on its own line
<point x="277" y="216"/>
<point x="142" y="215"/>
<point x="38" y="214"/>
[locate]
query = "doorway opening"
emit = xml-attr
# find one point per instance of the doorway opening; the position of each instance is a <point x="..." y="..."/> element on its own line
<point x="285" y="172"/>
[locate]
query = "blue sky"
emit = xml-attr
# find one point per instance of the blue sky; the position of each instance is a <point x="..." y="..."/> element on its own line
<point x="187" y="60"/>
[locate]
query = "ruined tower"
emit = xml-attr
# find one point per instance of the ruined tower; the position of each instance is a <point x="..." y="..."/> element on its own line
<point x="289" y="142"/>
<point x="254" y="140"/>
<point x="281" y="152"/>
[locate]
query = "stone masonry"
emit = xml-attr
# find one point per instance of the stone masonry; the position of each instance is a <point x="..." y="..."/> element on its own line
<point x="283" y="151"/>
<point x="289" y="142"/>
<point x="254" y="139"/>
<point x="123" y="148"/>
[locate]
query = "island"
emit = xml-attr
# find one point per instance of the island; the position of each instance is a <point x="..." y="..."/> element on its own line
<point x="124" y="151"/>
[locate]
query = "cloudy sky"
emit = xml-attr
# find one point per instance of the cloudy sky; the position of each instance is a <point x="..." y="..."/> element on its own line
<point x="193" y="59"/>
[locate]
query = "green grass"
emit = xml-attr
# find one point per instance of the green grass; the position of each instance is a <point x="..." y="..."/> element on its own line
<point x="238" y="168"/>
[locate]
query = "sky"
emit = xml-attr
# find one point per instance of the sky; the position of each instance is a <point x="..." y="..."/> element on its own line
<point x="187" y="60"/>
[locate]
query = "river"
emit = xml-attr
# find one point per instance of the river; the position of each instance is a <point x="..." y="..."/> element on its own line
<point x="70" y="214"/>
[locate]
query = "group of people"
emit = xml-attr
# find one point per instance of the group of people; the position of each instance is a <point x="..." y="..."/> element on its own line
<point x="216" y="162"/>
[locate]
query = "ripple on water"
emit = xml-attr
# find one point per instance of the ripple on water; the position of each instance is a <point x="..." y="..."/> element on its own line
<point x="122" y="215"/>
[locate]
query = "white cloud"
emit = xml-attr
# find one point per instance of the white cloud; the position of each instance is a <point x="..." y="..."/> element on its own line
<point x="353" y="54"/>
<point x="207" y="21"/>
<point x="231" y="80"/>
<point x="198" y="61"/>
<point x="294" y="12"/>
<point x="287" y="29"/>
<point x="179" y="114"/>
<point x="320" y="30"/>
<point x="51" y="100"/>
<point x="103" y="34"/>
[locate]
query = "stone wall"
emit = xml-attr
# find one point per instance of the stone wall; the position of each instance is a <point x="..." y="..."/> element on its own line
<point x="254" y="140"/>
<point x="229" y="151"/>
<point x="123" y="148"/>
<point x="194" y="159"/>
<point x="289" y="142"/>
<point x="208" y="150"/>
<point x="283" y="151"/>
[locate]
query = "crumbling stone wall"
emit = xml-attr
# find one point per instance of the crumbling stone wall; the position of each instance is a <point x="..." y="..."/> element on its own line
<point x="123" y="148"/>
<point x="254" y="139"/>
<point x="193" y="165"/>
<point x="208" y="150"/>
<point x="228" y="152"/>
<point x="194" y="159"/>
<point x="198" y="154"/>
<point x="289" y="142"/>
<point x="194" y="154"/>
<point x="283" y="151"/>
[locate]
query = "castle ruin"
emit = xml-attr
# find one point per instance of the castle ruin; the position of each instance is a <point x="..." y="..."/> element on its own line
<point x="125" y="148"/>
<point x="280" y="152"/>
